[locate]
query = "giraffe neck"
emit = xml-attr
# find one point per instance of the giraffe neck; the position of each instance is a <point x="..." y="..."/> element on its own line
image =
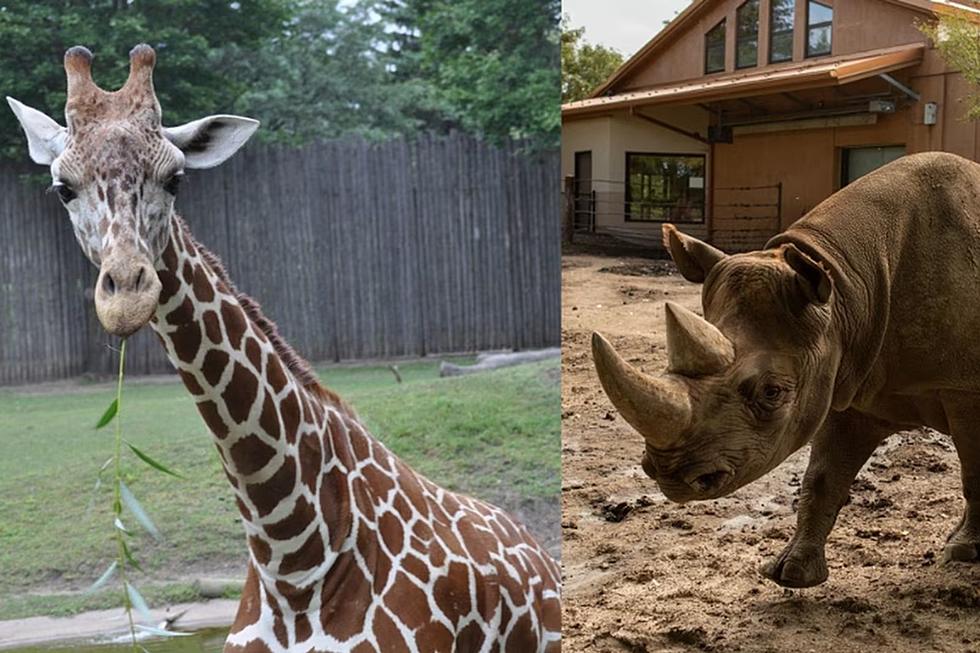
<point x="264" y="409"/>
<point x="350" y="549"/>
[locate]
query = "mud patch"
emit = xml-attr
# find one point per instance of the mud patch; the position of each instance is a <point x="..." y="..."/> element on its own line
<point x="636" y="268"/>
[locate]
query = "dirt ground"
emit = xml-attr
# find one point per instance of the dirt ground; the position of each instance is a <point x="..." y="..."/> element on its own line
<point x="643" y="574"/>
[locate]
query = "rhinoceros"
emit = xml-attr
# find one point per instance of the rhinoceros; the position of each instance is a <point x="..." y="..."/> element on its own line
<point x="860" y="320"/>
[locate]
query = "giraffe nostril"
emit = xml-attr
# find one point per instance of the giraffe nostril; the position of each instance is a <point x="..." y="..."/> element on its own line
<point x="108" y="284"/>
<point x="139" y="279"/>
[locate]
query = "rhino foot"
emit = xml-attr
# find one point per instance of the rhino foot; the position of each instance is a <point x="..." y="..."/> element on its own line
<point x="962" y="552"/>
<point x="797" y="566"/>
<point x="963" y="545"/>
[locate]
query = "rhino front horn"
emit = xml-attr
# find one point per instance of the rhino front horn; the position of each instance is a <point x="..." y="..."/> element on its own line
<point x="658" y="407"/>
<point x="695" y="347"/>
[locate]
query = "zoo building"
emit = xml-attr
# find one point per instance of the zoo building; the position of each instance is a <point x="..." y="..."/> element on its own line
<point x="742" y="115"/>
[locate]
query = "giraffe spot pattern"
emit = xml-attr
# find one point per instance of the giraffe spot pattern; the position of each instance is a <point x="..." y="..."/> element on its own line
<point x="240" y="393"/>
<point x="346" y="597"/>
<point x="266" y="496"/>
<point x="234" y="320"/>
<point x="309" y="555"/>
<point x="209" y="411"/>
<point x="250" y="454"/>
<point x="212" y="327"/>
<point x="293" y="525"/>
<point x="215" y="362"/>
<point x="298" y="599"/>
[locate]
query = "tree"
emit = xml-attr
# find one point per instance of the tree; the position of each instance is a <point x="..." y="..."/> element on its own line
<point x="306" y="68"/>
<point x="327" y="75"/>
<point x="203" y="47"/>
<point x="957" y="37"/>
<point x="583" y="66"/>
<point x="494" y="65"/>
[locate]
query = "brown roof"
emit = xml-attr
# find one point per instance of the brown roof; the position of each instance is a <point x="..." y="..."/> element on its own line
<point x="678" y="25"/>
<point x="796" y="76"/>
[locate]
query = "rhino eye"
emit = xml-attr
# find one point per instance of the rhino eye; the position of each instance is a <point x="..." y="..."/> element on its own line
<point x="772" y="393"/>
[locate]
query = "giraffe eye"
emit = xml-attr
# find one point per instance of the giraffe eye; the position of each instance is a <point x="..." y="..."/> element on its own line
<point x="65" y="192"/>
<point x="173" y="183"/>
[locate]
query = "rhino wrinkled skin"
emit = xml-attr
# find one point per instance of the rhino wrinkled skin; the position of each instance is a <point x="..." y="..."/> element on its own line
<point x="860" y="320"/>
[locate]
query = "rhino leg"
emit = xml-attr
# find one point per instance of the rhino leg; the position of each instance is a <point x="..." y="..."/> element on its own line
<point x="841" y="447"/>
<point x="963" y="544"/>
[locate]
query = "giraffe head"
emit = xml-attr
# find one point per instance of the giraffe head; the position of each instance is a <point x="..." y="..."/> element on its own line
<point x="116" y="170"/>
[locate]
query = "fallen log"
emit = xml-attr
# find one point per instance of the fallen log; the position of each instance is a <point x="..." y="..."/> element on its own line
<point x="492" y="361"/>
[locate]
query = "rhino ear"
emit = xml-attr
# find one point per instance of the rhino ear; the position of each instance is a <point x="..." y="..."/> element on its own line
<point x="812" y="278"/>
<point x="693" y="257"/>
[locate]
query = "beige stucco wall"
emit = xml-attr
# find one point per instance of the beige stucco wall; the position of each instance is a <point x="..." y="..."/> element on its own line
<point x="610" y="137"/>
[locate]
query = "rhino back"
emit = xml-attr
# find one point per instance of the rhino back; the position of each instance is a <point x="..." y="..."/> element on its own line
<point x="904" y="245"/>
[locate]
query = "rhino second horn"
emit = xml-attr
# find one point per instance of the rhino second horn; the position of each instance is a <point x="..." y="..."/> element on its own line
<point x="658" y="407"/>
<point x="695" y="347"/>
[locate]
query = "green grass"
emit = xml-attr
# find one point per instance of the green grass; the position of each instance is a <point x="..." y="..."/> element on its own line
<point x="493" y="435"/>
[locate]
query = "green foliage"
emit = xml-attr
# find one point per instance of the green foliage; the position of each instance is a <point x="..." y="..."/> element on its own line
<point x="306" y="69"/>
<point x="957" y="37"/>
<point x="583" y="66"/>
<point x="201" y="46"/>
<point x="491" y="65"/>
<point x="326" y="76"/>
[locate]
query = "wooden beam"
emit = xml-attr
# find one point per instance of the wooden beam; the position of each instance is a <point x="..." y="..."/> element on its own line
<point x="751" y="105"/>
<point x="801" y="115"/>
<point x="673" y="128"/>
<point x="797" y="101"/>
<point x="812" y="123"/>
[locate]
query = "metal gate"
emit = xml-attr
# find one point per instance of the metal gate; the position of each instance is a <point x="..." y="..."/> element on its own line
<point x="745" y="217"/>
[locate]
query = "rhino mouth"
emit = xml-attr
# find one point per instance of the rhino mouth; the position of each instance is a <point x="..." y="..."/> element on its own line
<point x="710" y="482"/>
<point x="700" y="482"/>
<point x="709" y="486"/>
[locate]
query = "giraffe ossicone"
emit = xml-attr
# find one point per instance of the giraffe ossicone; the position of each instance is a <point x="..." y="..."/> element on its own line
<point x="349" y="548"/>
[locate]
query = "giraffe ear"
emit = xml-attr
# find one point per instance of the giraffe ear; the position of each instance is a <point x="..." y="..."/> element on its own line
<point x="210" y="141"/>
<point x="45" y="137"/>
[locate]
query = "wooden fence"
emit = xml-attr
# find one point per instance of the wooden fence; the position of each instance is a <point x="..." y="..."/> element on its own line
<point x="357" y="250"/>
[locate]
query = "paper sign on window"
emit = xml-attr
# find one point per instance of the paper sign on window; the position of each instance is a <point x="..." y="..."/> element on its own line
<point x="695" y="182"/>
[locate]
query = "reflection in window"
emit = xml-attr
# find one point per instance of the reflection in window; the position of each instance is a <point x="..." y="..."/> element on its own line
<point x="747" y="34"/>
<point x="664" y="187"/>
<point x="714" y="49"/>
<point x="781" y="18"/>
<point x="819" y="29"/>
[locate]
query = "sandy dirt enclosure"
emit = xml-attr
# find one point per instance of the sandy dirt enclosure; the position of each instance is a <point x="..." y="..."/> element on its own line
<point x="643" y="574"/>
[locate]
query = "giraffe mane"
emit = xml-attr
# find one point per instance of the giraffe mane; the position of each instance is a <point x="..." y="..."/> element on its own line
<point x="298" y="366"/>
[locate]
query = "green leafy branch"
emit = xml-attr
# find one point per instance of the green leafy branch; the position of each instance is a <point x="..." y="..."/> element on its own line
<point x="123" y="496"/>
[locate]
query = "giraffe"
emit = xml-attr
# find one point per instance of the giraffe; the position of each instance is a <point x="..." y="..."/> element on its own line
<point x="349" y="549"/>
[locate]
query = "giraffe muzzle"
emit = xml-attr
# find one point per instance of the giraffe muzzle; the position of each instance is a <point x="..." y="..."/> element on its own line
<point x="126" y="294"/>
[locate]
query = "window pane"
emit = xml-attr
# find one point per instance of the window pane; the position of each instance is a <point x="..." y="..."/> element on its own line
<point x="862" y="160"/>
<point x="781" y="19"/>
<point x="747" y="41"/>
<point x="748" y="54"/>
<point x="714" y="49"/>
<point x="818" y="41"/>
<point x="665" y="188"/>
<point x="715" y="60"/>
<point x="820" y="19"/>
<point x="781" y="47"/>
<point x="820" y="13"/>
<point x="783" y="13"/>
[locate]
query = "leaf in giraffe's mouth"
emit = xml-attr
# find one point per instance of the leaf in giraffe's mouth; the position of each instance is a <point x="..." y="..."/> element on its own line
<point x="123" y="497"/>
